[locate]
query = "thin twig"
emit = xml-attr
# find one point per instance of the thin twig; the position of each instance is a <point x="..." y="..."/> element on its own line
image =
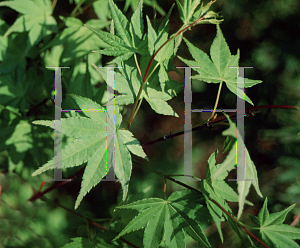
<point x="151" y="61"/>
<point x="296" y="220"/>
<point x="212" y="200"/>
<point x="54" y="4"/>
<point x="84" y="8"/>
<point x="216" y="121"/>
<point x="86" y="219"/>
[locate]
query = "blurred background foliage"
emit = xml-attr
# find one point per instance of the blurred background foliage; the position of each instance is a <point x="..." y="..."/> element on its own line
<point x="267" y="34"/>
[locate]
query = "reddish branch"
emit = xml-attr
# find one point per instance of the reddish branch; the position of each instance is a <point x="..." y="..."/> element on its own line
<point x="169" y="136"/>
<point x="217" y="120"/>
<point x="79" y="173"/>
<point x="296" y="220"/>
<point x="150" y="63"/>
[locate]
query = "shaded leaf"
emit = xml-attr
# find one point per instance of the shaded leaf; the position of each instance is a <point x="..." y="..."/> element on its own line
<point x="168" y="219"/>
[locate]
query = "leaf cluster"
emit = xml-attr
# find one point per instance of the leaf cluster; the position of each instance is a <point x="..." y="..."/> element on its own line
<point x="142" y="51"/>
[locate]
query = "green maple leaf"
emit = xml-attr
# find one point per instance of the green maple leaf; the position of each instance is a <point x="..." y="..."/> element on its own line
<point x="216" y="69"/>
<point x="273" y="231"/>
<point x="169" y="220"/>
<point x="90" y="145"/>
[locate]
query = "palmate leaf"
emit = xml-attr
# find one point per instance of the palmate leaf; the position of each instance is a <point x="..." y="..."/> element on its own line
<point x="216" y="69"/>
<point x="273" y="231"/>
<point x="169" y="220"/>
<point x="77" y="41"/>
<point x="90" y="145"/>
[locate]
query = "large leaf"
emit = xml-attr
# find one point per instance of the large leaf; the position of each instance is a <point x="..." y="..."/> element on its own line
<point x="217" y="69"/>
<point x="169" y="220"/>
<point x="90" y="145"/>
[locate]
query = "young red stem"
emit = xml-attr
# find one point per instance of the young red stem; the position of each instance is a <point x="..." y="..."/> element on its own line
<point x="39" y="194"/>
<point x="181" y="31"/>
<point x="296" y="220"/>
<point x="215" y="121"/>
<point x="254" y="237"/>
<point x="149" y="65"/>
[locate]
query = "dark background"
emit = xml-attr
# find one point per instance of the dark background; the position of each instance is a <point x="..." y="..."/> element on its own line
<point x="267" y="34"/>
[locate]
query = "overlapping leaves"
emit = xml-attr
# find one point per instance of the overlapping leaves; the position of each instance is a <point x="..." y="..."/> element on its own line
<point x="90" y="145"/>
<point x="130" y="39"/>
<point x="169" y="220"/>
<point x="191" y="10"/>
<point x="219" y="69"/>
<point x="129" y="35"/>
<point x="250" y="169"/>
<point x="214" y="187"/>
<point x="127" y="83"/>
<point x="36" y="19"/>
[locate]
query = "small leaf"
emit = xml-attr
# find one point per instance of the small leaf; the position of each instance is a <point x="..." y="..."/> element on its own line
<point x="157" y="101"/>
<point x="132" y="143"/>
